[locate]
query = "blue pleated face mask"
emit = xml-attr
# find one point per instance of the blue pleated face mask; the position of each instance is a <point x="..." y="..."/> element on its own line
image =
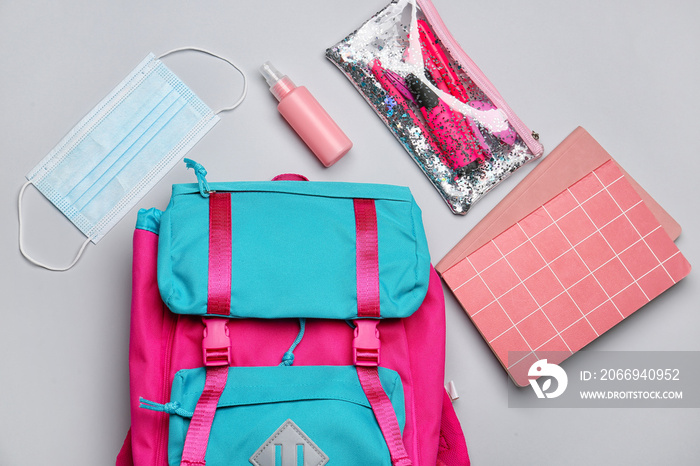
<point x="122" y="148"/>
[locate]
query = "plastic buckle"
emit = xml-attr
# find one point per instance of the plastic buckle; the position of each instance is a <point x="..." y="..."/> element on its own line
<point x="366" y="345"/>
<point x="216" y="345"/>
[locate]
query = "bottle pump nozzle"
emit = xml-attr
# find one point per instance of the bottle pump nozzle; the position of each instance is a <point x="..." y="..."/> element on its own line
<point x="280" y="84"/>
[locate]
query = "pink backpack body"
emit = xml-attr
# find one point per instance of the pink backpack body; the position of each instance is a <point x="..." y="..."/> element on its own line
<point x="163" y="344"/>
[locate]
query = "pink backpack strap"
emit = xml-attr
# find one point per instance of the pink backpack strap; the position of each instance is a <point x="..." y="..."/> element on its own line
<point x="366" y="345"/>
<point x="367" y="251"/>
<point x="384" y="412"/>
<point x="216" y="343"/>
<point x="453" y="448"/>
<point x="195" y="449"/>
<point x="220" y="245"/>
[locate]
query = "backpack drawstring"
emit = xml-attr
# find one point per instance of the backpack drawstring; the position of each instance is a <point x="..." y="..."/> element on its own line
<point x="172" y="407"/>
<point x="288" y="358"/>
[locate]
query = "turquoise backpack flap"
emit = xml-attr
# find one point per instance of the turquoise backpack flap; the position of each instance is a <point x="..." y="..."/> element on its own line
<point x="316" y="414"/>
<point x="292" y="249"/>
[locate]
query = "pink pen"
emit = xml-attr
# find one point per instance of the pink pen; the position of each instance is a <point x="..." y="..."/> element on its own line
<point x="306" y="116"/>
<point x="439" y="59"/>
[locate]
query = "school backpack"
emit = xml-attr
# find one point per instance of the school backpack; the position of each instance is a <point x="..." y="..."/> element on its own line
<point x="285" y="323"/>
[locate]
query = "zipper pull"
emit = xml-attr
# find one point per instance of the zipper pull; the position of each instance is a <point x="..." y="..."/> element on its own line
<point x="201" y="173"/>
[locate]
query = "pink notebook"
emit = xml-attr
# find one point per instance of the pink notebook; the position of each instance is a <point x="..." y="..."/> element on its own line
<point x="566" y="273"/>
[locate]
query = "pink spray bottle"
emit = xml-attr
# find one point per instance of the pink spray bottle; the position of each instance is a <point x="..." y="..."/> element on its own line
<point x="306" y="116"/>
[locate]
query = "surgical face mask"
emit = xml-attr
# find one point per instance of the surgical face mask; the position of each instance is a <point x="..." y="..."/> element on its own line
<point x="122" y="148"/>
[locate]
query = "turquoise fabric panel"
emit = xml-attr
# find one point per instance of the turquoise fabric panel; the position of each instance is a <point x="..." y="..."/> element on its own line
<point x="403" y="258"/>
<point x="289" y="259"/>
<point x="293" y="250"/>
<point x="149" y="220"/>
<point x="326" y="402"/>
<point x="183" y="254"/>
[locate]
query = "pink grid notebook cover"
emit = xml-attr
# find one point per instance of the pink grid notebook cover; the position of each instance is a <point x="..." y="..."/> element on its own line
<point x="568" y="272"/>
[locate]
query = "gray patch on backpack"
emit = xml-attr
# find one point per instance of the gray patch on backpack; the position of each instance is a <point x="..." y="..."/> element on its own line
<point x="286" y="444"/>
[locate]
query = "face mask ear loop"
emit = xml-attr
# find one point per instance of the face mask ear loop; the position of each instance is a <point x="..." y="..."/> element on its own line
<point x="21" y="243"/>
<point x="245" y="81"/>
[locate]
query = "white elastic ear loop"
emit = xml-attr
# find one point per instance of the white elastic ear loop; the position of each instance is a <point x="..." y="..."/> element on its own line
<point x="21" y="244"/>
<point x="245" y="81"/>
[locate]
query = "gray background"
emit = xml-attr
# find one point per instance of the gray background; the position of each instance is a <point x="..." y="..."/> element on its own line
<point x="625" y="70"/>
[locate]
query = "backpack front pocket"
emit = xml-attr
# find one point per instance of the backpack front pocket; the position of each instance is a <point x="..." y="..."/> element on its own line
<point x="290" y="415"/>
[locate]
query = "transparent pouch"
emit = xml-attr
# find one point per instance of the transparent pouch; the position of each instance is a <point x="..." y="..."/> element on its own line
<point x="307" y="415"/>
<point x="439" y="105"/>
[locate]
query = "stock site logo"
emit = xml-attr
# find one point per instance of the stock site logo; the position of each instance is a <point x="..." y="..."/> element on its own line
<point x="547" y="372"/>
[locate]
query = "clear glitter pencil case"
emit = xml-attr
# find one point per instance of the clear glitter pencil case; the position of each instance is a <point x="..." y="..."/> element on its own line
<point x="440" y="106"/>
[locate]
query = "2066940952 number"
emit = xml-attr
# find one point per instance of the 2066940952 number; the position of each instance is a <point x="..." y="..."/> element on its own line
<point x="640" y="374"/>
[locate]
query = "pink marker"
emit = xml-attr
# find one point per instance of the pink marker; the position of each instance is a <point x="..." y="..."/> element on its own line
<point x="306" y="116"/>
